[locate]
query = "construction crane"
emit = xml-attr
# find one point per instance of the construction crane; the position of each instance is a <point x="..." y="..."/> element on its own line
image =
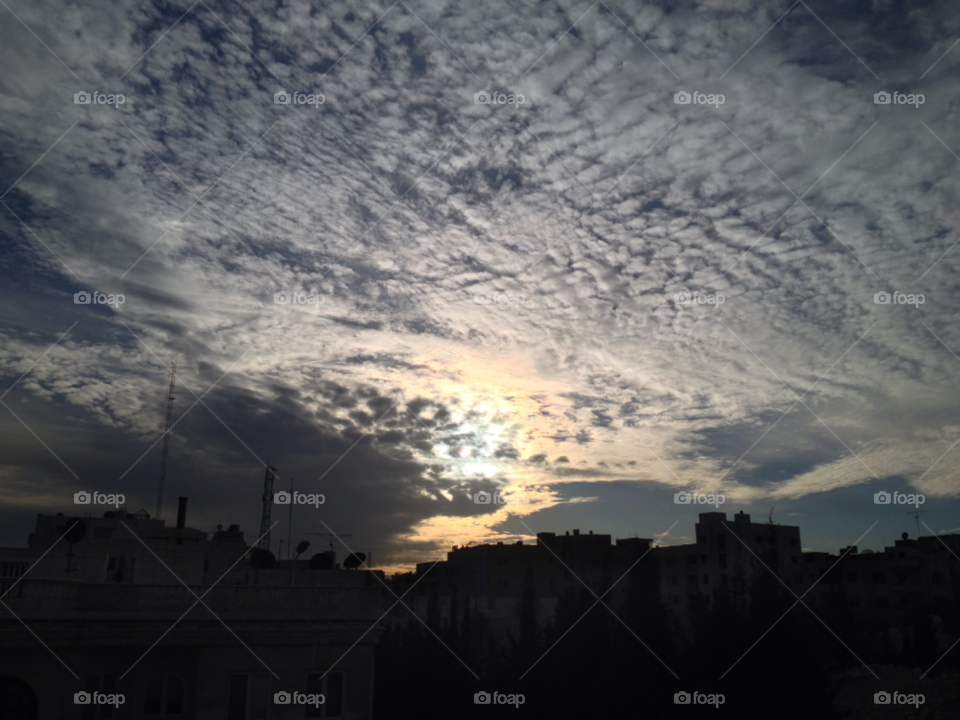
<point x="166" y="438"/>
<point x="268" y="479"/>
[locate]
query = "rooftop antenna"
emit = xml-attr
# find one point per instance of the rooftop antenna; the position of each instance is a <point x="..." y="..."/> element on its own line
<point x="264" y="543"/>
<point x="770" y="518"/>
<point x="916" y="516"/>
<point x="332" y="537"/>
<point x="290" y="519"/>
<point x="166" y="439"/>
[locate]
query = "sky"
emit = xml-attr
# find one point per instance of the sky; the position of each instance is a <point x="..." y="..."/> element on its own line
<point x="584" y="255"/>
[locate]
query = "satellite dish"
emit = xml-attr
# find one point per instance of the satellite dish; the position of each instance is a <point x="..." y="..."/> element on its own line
<point x="322" y="561"/>
<point x="74" y="531"/>
<point x="302" y="546"/>
<point x="261" y="559"/>
<point x="354" y="561"/>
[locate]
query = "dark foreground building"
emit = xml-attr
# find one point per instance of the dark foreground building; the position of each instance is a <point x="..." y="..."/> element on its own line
<point x="116" y="612"/>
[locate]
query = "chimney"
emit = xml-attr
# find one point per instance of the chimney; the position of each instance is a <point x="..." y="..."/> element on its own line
<point x="182" y="512"/>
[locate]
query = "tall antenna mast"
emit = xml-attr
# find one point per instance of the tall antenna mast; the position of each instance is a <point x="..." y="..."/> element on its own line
<point x="166" y="439"/>
<point x="916" y="516"/>
<point x="268" y="479"/>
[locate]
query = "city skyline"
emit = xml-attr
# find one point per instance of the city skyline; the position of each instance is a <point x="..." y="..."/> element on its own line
<point x="408" y="253"/>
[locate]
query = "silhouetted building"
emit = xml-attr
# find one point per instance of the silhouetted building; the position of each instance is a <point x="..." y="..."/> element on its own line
<point x="127" y="621"/>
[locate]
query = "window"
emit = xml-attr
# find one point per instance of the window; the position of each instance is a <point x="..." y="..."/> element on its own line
<point x="249" y="697"/>
<point x="882" y="603"/>
<point x="164" y="697"/>
<point x="691" y="579"/>
<point x="793" y="541"/>
<point x="721" y="541"/>
<point x="706" y="579"/>
<point x="106" y="684"/>
<point x="879" y="578"/>
<point x="723" y="561"/>
<point x="331" y="687"/>
<point x="794" y="560"/>
<point x="904" y="601"/>
<point x="703" y="559"/>
<point x="759" y="539"/>
<point x="9" y="570"/>
<point x="901" y="578"/>
<point x="703" y="539"/>
<point x="691" y="559"/>
<point x="723" y="581"/>
<point x="676" y="599"/>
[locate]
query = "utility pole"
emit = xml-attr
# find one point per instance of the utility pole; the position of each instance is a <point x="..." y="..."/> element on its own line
<point x="264" y="543"/>
<point x="166" y="438"/>
<point x="290" y="519"/>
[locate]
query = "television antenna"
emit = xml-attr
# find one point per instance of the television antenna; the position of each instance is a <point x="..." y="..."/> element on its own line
<point x="916" y="516"/>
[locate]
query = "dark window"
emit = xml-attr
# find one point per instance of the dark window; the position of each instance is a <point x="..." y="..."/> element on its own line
<point x="882" y="603"/>
<point x="723" y="561"/>
<point x="331" y="687"/>
<point x="703" y="559"/>
<point x="759" y="539"/>
<point x="879" y="578"/>
<point x="723" y="580"/>
<point x="249" y="697"/>
<point x="105" y="684"/>
<point x="793" y="541"/>
<point x="691" y="579"/>
<point x="691" y="559"/>
<point x="794" y="560"/>
<point x="676" y="599"/>
<point x="905" y="601"/>
<point x="164" y="696"/>
<point x="901" y="578"/>
<point x="721" y="541"/>
<point x="674" y="580"/>
<point x="706" y="579"/>
<point x="703" y="539"/>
